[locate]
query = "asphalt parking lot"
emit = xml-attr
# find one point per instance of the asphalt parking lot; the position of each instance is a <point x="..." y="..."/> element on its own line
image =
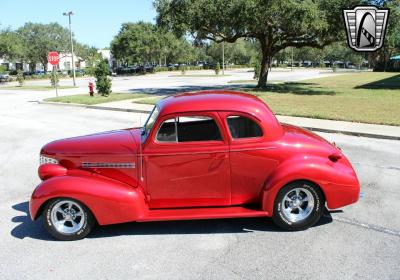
<point x="361" y="241"/>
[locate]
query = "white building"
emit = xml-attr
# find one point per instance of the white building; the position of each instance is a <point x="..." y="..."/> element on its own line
<point x="107" y="54"/>
<point x="64" y="64"/>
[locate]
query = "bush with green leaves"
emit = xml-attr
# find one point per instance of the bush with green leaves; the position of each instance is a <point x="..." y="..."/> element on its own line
<point x="103" y="82"/>
<point x="90" y="71"/>
<point x="3" y="69"/>
<point x="217" y="68"/>
<point x="20" y="78"/>
<point x="183" y="69"/>
<point x="257" y="70"/>
<point x="54" y="79"/>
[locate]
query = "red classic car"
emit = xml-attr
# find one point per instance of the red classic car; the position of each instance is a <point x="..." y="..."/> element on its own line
<point x="202" y="155"/>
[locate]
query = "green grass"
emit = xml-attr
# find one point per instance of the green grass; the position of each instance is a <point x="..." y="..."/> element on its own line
<point x="96" y="99"/>
<point x="34" y="87"/>
<point x="368" y="97"/>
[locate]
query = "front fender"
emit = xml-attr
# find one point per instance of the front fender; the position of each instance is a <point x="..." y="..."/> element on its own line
<point x="337" y="180"/>
<point x="110" y="201"/>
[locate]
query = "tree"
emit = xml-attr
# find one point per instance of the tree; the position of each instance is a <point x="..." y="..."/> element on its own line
<point x="54" y="79"/>
<point x="40" y="39"/>
<point x="11" y="45"/>
<point x="136" y="43"/>
<point x="20" y="78"/>
<point x="335" y="52"/>
<point x="240" y="52"/>
<point x="87" y="53"/>
<point x="217" y="68"/>
<point x="275" y="24"/>
<point x="146" y="43"/>
<point x="103" y="82"/>
<point x="381" y="58"/>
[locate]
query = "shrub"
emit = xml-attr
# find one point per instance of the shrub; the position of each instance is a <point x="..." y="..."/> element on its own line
<point x="54" y="80"/>
<point x="103" y="82"/>
<point x="183" y="69"/>
<point x="90" y="71"/>
<point x="20" y="78"/>
<point x="217" y="68"/>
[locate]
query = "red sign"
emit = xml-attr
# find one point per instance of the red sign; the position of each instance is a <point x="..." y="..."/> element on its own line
<point x="53" y="58"/>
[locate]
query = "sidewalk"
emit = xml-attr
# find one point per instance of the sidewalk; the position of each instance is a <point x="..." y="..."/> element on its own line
<point x="349" y="128"/>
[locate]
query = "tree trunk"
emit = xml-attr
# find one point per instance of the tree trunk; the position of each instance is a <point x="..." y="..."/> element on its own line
<point x="32" y="66"/>
<point x="265" y="63"/>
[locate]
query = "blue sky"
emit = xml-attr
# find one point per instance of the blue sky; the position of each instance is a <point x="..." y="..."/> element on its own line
<point x="95" y="22"/>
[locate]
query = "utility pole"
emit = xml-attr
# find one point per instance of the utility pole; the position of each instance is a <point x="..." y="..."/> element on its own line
<point x="69" y="14"/>
<point x="223" y="58"/>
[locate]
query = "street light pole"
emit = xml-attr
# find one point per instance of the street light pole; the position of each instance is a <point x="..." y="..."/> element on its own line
<point x="69" y="14"/>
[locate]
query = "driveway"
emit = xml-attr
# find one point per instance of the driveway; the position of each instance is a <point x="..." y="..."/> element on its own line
<point x="170" y="82"/>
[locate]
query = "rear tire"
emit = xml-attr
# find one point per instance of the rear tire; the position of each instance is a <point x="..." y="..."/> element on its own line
<point x="298" y="206"/>
<point x="67" y="219"/>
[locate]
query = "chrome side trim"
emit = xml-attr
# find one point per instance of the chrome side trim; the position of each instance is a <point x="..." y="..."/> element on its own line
<point x="108" y="165"/>
<point x="210" y="152"/>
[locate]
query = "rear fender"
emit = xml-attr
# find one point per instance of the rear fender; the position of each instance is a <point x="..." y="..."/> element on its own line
<point x="337" y="180"/>
<point x="110" y="201"/>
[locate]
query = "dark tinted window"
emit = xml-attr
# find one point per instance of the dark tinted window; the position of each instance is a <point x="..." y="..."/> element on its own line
<point x="189" y="129"/>
<point x="242" y="127"/>
<point x="167" y="131"/>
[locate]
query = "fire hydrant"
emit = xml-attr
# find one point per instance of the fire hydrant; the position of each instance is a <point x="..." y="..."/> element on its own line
<point x="91" y="86"/>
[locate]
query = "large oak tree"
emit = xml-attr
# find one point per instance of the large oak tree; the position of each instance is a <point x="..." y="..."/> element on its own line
<point x="276" y="24"/>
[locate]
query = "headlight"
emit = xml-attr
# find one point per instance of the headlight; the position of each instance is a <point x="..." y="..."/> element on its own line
<point x="44" y="160"/>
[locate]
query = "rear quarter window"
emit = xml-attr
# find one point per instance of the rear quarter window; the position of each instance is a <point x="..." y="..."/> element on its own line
<point x="243" y="127"/>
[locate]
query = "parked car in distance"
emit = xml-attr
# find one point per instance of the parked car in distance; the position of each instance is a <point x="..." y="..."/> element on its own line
<point x="4" y="78"/>
<point x="202" y="155"/>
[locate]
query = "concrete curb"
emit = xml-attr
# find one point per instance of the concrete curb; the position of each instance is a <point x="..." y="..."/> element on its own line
<point x="327" y="130"/>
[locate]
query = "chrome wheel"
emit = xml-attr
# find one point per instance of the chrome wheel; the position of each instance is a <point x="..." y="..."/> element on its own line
<point x="297" y="204"/>
<point x="67" y="217"/>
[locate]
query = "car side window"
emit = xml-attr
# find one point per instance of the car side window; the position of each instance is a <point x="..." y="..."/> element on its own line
<point x="167" y="131"/>
<point x="189" y="129"/>
<point x="242" y="127"/>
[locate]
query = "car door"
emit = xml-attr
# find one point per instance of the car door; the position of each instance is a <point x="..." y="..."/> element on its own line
<point x="252" y="157"/>
<point x="187" y="162"/>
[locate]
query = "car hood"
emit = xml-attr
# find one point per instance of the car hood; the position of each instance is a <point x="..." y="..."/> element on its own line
<point x="110" y="142"/>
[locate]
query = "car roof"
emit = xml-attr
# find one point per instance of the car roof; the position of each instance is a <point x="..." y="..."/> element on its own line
<point x="213" y="100"/>
<point x="223" y="100"/>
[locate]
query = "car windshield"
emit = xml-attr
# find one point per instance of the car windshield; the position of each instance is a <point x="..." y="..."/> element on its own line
<point x="151" y="120"/>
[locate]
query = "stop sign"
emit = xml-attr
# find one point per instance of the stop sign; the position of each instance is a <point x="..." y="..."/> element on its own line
<point x="53" y="58"/>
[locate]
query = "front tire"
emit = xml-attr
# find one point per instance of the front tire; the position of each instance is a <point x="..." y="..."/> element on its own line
<point x="67" y="219"/>
<point x="298" y="206"/>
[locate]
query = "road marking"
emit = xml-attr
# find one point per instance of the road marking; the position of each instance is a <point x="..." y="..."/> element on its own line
<point x="365" y="225"/>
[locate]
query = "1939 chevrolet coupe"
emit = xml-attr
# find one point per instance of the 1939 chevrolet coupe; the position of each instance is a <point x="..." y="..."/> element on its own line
<point x="202" y="155"/>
